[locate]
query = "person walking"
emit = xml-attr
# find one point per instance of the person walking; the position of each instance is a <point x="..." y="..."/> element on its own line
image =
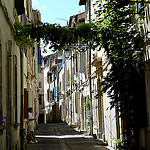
<point x="31" y="126"/>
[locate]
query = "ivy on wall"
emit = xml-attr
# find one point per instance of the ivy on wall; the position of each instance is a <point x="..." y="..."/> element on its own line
<point x="124" y="82"/>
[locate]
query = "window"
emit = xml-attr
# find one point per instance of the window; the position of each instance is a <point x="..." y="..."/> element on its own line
<point x="48" y="95"/>
<point x="40" y="99"/>
<point x="40" y="85"/>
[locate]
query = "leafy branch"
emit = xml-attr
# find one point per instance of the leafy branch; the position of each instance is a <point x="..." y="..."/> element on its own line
<point x="55" y="35"/>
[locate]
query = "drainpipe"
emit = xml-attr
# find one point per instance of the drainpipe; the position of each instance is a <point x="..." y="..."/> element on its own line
<point x="71" y="87"/>
<point x="78" y="89"/>
<point x="64" y="103"/>
<point x="89" y="10"/>
<point x="22" y="98"/>
<point x="49" y="99"/>
<point x="91" y="132"/>
<point x="73" y="96"/>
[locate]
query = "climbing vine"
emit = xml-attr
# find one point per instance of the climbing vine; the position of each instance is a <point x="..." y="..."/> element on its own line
<point x="121" y="38"/>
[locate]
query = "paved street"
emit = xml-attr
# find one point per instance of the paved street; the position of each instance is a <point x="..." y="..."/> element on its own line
<point x="58" y="136"/>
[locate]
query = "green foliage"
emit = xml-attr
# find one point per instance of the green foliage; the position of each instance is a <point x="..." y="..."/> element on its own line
<point x="88" y="103"/>
<point x="124" y="82"/>
<point x="54" y="34"/>
<point x="118" y="144"/>
<point x="22" y="36"/>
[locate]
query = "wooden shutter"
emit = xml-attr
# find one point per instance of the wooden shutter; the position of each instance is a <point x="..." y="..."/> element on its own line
<point x="25" y="104"/>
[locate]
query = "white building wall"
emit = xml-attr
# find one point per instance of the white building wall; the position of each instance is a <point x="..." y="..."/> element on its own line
<point x="109" y="122"/>
<point x="109" y="115"/>
<point x="8" y="52"/>
<point x="61" y="79"/>
<point x="46" y="87"/>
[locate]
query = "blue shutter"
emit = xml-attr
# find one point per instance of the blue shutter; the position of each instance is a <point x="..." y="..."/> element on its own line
<point x="60" y="65"/>
<point x="39" y="56"/>
<point x="54" y="92"/>
<point x="55" y="73"/>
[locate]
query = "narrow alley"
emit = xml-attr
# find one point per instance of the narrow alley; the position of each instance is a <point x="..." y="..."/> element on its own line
<point x="58" y="136"/>
<point x="70" y="68"/>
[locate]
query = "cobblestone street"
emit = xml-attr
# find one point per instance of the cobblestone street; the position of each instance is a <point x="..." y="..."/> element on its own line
<point x="58" y="136"/>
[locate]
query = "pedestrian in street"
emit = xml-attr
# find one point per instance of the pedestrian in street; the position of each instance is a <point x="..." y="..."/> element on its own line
<point x="31" y="125"/>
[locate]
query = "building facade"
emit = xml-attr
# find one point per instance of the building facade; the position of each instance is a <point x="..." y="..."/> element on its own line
<point x="41" y="92"/>
<point x="18" y="78"/>
<point x="103" y="124"/>
<point x="10" y="76"/>
<point x="31" y="65"/>
<point x="51" y="66"/>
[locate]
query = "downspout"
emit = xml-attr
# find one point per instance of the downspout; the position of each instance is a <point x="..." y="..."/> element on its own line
<point x="64" y="103"/>
<point x="73" y="120"/>
<point x="49" y="98"/>
<point x="57" y="93"/>
<point x="91" y="108"/>
<point x="78" y="89"/>
<point x="91" y="132"/>
<point x="22" y="99"/>
<point x="71" y="87"/>
<point x="89" y="10"/>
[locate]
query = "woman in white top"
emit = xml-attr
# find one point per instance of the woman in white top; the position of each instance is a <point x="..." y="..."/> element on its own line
<point x="31" y="125"/>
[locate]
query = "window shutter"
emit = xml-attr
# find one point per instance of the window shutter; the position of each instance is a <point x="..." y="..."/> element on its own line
<point x="25" y="103"/>
<point x="39" y="56"/>
<point x="82" y="62"/>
